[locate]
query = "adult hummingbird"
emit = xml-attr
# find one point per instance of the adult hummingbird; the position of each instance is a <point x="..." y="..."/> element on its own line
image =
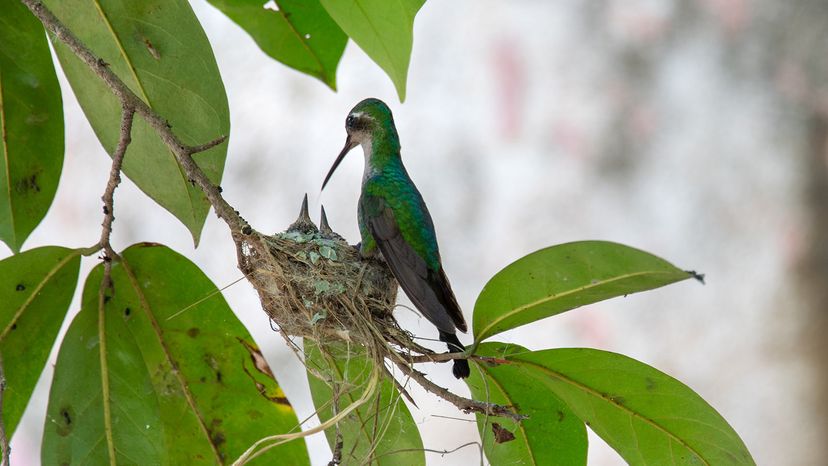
<point x="394" y="221"/>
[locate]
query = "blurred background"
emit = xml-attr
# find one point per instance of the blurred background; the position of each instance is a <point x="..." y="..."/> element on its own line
<point x="696" y="130"/>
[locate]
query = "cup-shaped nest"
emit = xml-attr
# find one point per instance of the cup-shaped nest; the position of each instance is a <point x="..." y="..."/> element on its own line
<point x="313" y="284"/>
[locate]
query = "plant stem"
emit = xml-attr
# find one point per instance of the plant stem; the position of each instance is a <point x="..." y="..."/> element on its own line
<point x="4" y="441"/>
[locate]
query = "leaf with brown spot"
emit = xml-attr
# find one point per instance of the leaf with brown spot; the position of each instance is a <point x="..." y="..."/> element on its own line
<point x="257" y="358"/>
<point x="36" y="287"/>
<point x="31" y="124"/>
<point x="151" y="391"/>
<point x="379" y="432"/>
<point x="551" y="435"/>
<point x="647" y="416"/>
<point x="180" y="81"/>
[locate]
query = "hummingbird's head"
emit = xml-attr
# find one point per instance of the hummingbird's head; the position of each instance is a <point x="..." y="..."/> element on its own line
<point x="368" y="118"/>
<point x="368" y="121"/>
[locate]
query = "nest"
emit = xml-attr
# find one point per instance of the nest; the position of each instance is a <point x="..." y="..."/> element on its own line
<point x="313" y="284"/>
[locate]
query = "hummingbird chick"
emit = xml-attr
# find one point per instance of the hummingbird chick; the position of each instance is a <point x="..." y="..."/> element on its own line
<point x="394" y="221"/>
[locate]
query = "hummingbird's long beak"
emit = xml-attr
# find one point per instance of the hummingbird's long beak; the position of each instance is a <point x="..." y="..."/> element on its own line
<point x="349" y="144"/>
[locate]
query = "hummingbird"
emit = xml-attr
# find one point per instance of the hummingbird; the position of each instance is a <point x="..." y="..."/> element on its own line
<point x="394" y="221"/>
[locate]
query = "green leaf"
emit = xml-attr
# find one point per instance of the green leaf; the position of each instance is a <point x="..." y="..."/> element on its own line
<point x="383" y="29"/>
<point x="31" y="119"/>
<point x="381" y="431"/>
<point x="160" y="51"/>
<point x="138" y="381"/>
<point x="552" y="435"/>
<point x="563" y="277"/>
<point x="647" y="416"/>
<point x="36" y="288"/>
<point x="299" y="33"/>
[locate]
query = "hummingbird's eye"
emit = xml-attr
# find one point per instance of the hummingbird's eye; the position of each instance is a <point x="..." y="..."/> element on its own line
<point x="350" y="121"/>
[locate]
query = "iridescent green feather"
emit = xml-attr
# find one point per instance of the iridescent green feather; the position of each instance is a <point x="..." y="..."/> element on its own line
<point x="391" y="186"/>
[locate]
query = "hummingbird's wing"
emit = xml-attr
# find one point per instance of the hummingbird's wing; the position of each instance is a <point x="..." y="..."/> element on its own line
<point x="427" y="288"/>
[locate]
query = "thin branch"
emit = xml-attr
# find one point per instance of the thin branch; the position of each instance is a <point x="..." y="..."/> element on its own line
<point x="182" y="152"/>
<point x="442" y="452"/>
<point x="444" y="357"/>
<point x="336" y="456"/>
<point x="464" y="404"/>
<point x="400" y="387"/>
<point x="124" y="139"/>
<point x="203" y="147"/>
<point x="4" y="441"/>
<point x="337" y="450"/>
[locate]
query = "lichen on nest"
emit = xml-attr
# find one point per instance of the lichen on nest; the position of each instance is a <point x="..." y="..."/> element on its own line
<point x="313" y="284"/>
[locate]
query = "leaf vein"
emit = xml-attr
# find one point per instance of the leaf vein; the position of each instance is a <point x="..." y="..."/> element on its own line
<point x="596" y="395"/>
<point x="7" y="162"/>
<point x="545" y="299"/>
<point x="158" y="333"/>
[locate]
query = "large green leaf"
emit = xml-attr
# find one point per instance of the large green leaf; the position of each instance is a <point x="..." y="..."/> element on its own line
<point x="137" y="382"/>
<point x="36" y="288"/>
<point x="552" y="435"/>
<point x="298" y="33"/>
<point x="160" y="51"/>
<point x="648" y="417"/>
<point x="381" y="431"/>
<point x="31" y="124"/>
<point x="563" y="277"/>
<point x="383" y="29"/>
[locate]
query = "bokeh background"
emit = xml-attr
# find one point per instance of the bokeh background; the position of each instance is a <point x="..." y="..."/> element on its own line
<point x="697" y="130"/>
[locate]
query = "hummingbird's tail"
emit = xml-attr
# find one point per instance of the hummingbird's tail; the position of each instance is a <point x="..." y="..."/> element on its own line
<point x="461" y="368"/>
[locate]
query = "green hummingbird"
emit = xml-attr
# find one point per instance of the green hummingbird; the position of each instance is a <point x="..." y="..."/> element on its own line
<point x="394" y="220"/>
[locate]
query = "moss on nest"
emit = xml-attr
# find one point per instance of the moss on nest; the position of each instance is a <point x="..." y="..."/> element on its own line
<point x="313" y="284"/>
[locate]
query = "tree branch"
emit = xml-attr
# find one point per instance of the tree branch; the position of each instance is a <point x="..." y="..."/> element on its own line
<point x="464" y="404"/>
<point x="4" y="441"/>
<point x="114" y="180"/>
<point x="445" y="357"/>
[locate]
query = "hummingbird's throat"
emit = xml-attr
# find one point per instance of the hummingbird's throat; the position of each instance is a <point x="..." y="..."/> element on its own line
<point x="369" y="168"/>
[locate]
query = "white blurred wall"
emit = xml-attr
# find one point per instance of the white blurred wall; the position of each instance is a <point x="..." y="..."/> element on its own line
<point x="679" y="128"/>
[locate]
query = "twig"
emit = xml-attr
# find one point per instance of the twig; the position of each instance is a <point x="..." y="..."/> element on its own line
<point x="442" y="452"/>
<point x="336" y="457"/>
<point x="4" y="442"/>
<point x="207" y="146"/>
<point x="444" y="357"/>
<point x="183" y="153"/>
<point x="464" y="404"/>
<point x="337" y="450"/>
<point x="124" y="139"/>
<point x="400" y="387"/>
